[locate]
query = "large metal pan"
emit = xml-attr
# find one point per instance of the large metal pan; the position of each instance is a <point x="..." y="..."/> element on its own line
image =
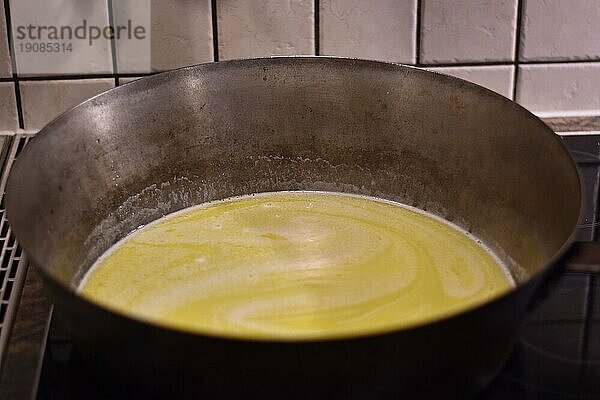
<point x="159" y="144"/>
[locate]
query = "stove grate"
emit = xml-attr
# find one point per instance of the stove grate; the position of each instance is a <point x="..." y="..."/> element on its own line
<point x="13" y="263"/>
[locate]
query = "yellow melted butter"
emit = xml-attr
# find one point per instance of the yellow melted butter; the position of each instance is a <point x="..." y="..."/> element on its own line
<point x="295" y="265"/>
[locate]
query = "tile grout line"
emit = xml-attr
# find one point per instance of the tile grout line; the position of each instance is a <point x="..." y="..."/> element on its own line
<point x="418" y="35"/>
<point x="215" y="30"/>
<point x="65" y="77"/>
<point x="466" y="64"/>
<point x="424" y="65"/>
<point x="13" y="64"/>
<point x="113" y="43"/>
<point x="520" y="5"/>
<point x="19" y="102"/>
<point x="317" y="27"/>
<point x="575" y="61"/>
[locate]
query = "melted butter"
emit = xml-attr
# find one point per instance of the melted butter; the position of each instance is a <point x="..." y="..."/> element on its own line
<point x="296" y="265"/>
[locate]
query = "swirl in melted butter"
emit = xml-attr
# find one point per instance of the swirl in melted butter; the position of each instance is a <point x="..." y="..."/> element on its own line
<point x="296" y="265"/>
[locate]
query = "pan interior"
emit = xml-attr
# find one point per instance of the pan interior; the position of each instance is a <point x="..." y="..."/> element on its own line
<point x="296" y="265"/>
<point x="213" y="131"/>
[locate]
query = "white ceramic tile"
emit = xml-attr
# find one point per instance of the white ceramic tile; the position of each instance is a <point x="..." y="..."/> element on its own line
<point x="498" y="78"/>
<point x="560" y="89"/>
<point x="560" y="30"/>
<point x="128" y="79"/>
<point x="181" y="33"/>
<point x="133" y="50"/>
<point x="44" y="100"/>
<point x="265" y="27"/>
<point x="5" y="68"/>
<point x="374" y="29"/>
<point x="83" y="59"/>
<point x="468" y="30"/>
<point x="8" y="107"/>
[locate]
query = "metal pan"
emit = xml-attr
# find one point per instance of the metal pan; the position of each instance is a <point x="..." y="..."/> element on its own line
<point x="162" y="143"/>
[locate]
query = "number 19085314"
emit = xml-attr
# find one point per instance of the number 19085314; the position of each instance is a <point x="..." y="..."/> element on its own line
<point x="37" y="47"/>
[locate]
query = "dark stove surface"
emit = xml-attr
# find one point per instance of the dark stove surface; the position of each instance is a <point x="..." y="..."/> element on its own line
<point x="557" y="355"/>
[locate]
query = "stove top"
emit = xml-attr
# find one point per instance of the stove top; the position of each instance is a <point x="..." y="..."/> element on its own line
<point x="556" y="356"/>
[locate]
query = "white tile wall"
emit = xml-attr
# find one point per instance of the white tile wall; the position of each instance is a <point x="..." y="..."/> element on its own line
<point x="461" y="37"/>
<point x="133" y="55"/>
<point x="560" y="30"/>
<point x="375" y="29"/>
<point x="44" y="100"/>
<point x="181" y="33"/>
<point x="85" y="59"/>
<point x="468" y="30"/>
<point x="498" y="78"/>
<point x="5" y="68"/>
<point x="265" y="27"/>
<point x="8" y="108"/>
<point x="560" y="89"/>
